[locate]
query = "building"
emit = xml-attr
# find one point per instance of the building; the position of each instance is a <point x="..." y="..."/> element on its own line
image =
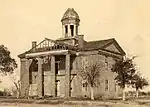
<point x="50" y="68"/>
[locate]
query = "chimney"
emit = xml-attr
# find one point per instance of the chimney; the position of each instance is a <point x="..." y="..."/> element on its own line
<point x="33" y="45"/>
<point x="81" y="41"/>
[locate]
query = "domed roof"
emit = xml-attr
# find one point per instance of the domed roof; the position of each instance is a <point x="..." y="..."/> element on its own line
<point x="70" y="14"/>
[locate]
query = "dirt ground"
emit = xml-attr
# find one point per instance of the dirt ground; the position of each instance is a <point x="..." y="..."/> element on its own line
<point x="73" y="105"/>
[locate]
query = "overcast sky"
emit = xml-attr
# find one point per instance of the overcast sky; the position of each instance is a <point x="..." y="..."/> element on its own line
<point x="128" y="21"/>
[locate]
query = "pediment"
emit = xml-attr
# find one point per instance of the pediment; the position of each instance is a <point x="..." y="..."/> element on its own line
<point x="114" y="47"/>
<point x="50" y="45"/>
<point x="46" y="43"/>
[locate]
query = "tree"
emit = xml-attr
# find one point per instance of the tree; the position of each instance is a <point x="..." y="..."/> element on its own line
<point x="91" y="74"/>
<point x="17" y="84"/>
<point x="125" y="70"/>
<point x="7" y="64"/>
<point x="138" y="83"/>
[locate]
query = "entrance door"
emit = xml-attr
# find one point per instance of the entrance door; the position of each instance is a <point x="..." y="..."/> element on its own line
<point x="58" y="88"/>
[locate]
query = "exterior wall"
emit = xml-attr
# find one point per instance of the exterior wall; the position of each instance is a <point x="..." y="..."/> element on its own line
<point x="107" y="62"/>
<point x="75" y="84"/>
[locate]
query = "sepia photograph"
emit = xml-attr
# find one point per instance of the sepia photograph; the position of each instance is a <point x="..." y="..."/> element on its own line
<point x="74" y="53"/>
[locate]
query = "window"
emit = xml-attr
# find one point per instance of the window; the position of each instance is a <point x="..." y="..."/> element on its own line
<point x="84" y="85"/>
<point x="72" y="30"/>
<point x="66" y="29"/>
<point x="61" y="62"/>
<point x="106" y="85"/>
<point x="47" y="63"/>
<point x="106" y="61"/>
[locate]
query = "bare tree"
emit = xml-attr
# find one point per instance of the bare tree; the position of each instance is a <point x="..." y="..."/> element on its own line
<point x="16" y="82"/>
<point x="91" y="74"/>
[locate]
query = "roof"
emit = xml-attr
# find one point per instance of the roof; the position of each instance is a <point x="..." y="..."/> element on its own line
<point x="48" y="45"/>
<point x="102" y="45"/>
<point x="70" y="14"/>
<point x="96" y="44"/>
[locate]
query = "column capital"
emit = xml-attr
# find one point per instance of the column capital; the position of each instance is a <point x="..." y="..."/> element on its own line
<point x="40" y="60"/>
<point x="23" y="59"/>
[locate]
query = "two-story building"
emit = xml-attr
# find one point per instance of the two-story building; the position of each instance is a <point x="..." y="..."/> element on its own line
<point x="50" y="67"/>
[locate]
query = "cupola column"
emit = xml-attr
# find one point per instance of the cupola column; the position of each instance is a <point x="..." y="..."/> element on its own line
<point x="69" y="30"/>
<point x="75" y="30"/>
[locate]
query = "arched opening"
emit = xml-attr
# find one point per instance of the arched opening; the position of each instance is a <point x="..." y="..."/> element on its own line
<point x="72" y="30"/>
<point x="66" y="29"/>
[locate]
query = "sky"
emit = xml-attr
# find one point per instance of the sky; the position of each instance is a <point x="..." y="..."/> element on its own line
<point x="128" y="21"/>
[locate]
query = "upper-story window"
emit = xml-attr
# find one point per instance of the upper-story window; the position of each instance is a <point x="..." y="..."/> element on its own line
<point x="85" y="84"/>
<point x="106" y="61"/>
<point x="47" y="63"/>
<point x="61" y="62"/>
<point x="106" y="85"/>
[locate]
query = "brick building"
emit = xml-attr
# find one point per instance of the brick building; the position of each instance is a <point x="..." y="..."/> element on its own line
<point x="50" y="67"/>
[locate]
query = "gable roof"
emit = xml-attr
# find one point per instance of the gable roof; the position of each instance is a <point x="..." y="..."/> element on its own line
<point x="96" y="44"/>
<point x="102" y="45"/>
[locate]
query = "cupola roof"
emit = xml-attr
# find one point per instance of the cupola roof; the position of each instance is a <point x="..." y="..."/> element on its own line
<point x="70" y="14"/>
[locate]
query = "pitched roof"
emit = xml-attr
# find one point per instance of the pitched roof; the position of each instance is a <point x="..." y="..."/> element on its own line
<point x="88" y="46"/>
<point x="48" y="45"/>
<point x="96" y="44"/>
<point x="101" y="45"/>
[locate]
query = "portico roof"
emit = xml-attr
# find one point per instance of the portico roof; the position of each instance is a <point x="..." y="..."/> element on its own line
<point x="48" y="46"/>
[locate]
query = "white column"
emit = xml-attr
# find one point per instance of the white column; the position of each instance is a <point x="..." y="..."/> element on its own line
<point x="69" y="30"/>
<point x="24" y="77"/>
<point x="67" y="77"/>
<point x="77" y="30"/>
<point x="74" y="30"/>
<point x="63" y="31"/>
<point x="53" y="77"/>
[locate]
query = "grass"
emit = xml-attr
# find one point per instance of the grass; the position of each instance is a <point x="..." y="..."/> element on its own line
<point x="77" y="101"/>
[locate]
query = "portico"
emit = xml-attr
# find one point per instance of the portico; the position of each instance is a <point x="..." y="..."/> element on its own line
<point x="57" y="68"/>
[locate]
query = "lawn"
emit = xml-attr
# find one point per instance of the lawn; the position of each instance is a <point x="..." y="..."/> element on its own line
<point x="131" y="102"/>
